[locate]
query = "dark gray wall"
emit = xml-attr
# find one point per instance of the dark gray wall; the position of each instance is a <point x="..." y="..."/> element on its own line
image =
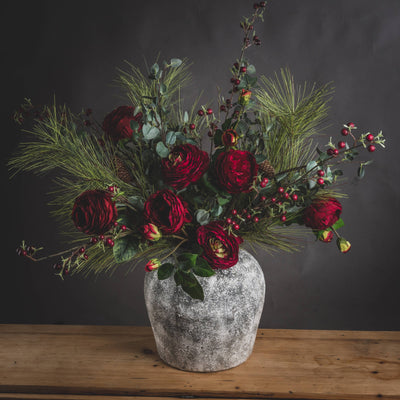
<point x="71" y="49"/>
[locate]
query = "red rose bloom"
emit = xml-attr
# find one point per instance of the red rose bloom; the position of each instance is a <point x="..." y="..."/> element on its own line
<point x="117" y="124"/>
<point x="184" y="165"/>
<point x="322" y="213"/>
<point x="94" y="212"/>
<point x="236" y="170"/>
<point x="220" y="249"/>
<point x="167" y="211"/>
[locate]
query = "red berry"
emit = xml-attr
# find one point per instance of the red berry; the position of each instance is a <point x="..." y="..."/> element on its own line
<point x="320" y="181"/>
<point x="66" y="271"/>
<point x="210" y="133"/>
<point x="111" y="189"/>
<point x="192" y="126"/>
<point x="281" y="190"/>
<point x="115" y="223"/>
<point x="370" y="137"/>
<point x="250" y="27"/>
<point x="330" y="152"/>
<point x="222" y="108"/>
<point x="345" y="131"/>
<point x="279" y="203"/>
<point x="287" y="195"/>
<point x="237" y="81"/>
<point x="341" y="144"/>
<point x="248" y="216"/>
<point x="85" y="256"/>
<point x="262" y="3"/>
<point x="256" y="219"/>
<point x="24" y="253"/>
<point x="283" y="218"/>
<point x="273" y="199"/>
<point x="321" y="172"/>
<point x="109" y="242"/>
<point x="236" y="227"/>
<point x="256" y="6"/>
<point x="123" y="227"/>
<point x="263" y="198"/>
<point x="82" y="250"/>
<point x="351" y="125"/>
<point x="200" y="112"/>
<point x="209" y="111"/>
<point x="335" y="152"/>
<point x="243" y="69"/>
<point x="371" y="148"/>
<point x="101" y="237"/>
<point x="295" y="197"/>
<point x="93" y="240"/>
<point x="236" y="65"/>
<point x="263" y="184"/>
<point x="229" y="221"/>
<point x="265" y="180"/>
<point x="244" y="211"/>
<point x="234" y="211"/>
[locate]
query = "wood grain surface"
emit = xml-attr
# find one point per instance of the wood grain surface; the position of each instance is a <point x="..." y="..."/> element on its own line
<point x="114" y="362"/>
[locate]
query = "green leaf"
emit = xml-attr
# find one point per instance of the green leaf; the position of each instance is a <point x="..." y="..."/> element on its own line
<point x="203" y="269"/>
<point x="165" y="271"/>
<point x="124" y="249"/>
<point x="311" y="165"/>
<point x="150" y="133"/>
<point x="202" y="216"/>
<point x="162" y="150"/>
<point x="134" y="125"/>
<point x="185" y="117"/>
<point x="311" y="183"/>
<point x="154" y="70"/>
<point x="192" y="286"/>
<point x="171" y="138"/>
<point x="137" y="202"/>
<point x="188" y="258"/>
<point x="179" y="277"/>
<point x="163" y="88"/>
<point x="175" y="62"/>
<point x="251" y="69"/>
<point x="223" y="200"/>
<point x="217" y="210"/>
<point x="242" y="127"/>
<point x="338" y="224"/>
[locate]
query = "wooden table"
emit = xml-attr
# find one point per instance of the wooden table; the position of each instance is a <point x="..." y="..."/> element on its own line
<point x="119" y="362"/>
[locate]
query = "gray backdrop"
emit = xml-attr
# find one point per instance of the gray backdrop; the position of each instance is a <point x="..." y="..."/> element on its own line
<point x="71" y="49"/>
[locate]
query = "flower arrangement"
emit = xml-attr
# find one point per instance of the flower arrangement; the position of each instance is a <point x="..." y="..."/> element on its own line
<point x="140" y="186"/>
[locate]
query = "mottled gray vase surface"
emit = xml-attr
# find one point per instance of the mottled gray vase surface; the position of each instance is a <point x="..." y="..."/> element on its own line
<point x="211" y="335"/>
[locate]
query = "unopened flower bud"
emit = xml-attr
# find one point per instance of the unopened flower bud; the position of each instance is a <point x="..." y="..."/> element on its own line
<point x="343" y="245"/>
<point x="230" y="138"/>
<point x="325" y="236"/>
<point x="151" y="232"/>
<point x="244" y="97"/>
<point x="153" y="264"/>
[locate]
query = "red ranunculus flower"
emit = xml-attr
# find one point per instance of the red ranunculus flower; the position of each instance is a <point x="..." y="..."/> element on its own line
<point x="184" y="165"/>
<point x="94" y="212"/>
<point x="236" y="170"/>
<point x="117" y="124"/>
<point x="167" y="211"/>
<point x="221" y="250"/>
<point x="322" y="213"/>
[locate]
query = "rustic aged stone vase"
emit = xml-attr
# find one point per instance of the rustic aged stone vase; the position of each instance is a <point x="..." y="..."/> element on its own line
<point x="211" y="335"/>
